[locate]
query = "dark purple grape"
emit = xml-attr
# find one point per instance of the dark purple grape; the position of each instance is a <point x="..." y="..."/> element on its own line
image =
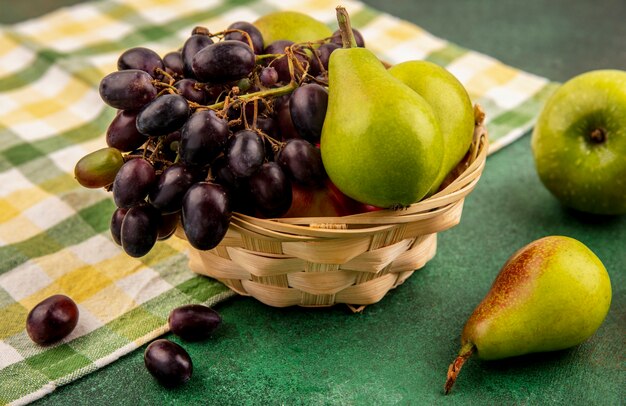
<point x="187" y="88"/>
<point x="307" y="106"/>
<point x="255" y="35"/>
<point x="213" y="93"/>
<point x="172" y="185"/>
<point x="167" y="226"/>
<point x="164" y="115"/>
<point x="280" y="64"/>
<point x="224" y="61"/>
<point x="191" y="47"/>
<point x="173" y="62"/>
<point x="140" y="229"/>
<point x="122" y="132"/>
<point x="203" y="138"/>
<point x="336" y="38"/>
<point x="99" y="168"/>
<point x="206" y="215"/>
<point x="267" y="125"/>
<point x="52" y="319"/>
<point x="194" y="322"/>
<point x="302" y="162"/>
<point x="143" y="59"/>
<point x="268" y="76"/>
<point x="284" y="123"/>
<point x="271" y="190"/>
<point x="324" y="52"/>
<point x="239" y="195"/>
<point x="245" y="153"/>
<point x="116" y="224"/>
<point x="168" y="362"/>
<point x="127" y="89"/>
<point x="133" y="182"/>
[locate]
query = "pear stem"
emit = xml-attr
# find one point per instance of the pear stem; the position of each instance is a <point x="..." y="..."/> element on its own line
<point x="453" y="370"/>
<point x="347" y="36"/>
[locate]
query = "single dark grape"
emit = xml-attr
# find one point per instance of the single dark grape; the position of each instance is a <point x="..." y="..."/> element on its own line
<point x="167" y="195"/>
<point x="194" y="322"/>
<point x="302" y="162"/>
<point x="324" y="52"/>
<point x="224" y="61"/>
<point x="239" y="195"/>
<point x="267" y="125"/>
<point x="127" y="89"/>
<point x="173" y="62"/>
<point x="191" y="47"/>
<point x="52" y="319"/>
<point x="133" y="182"/>
<point x="122" y="132"/>
<point x="143" y="59"/>
<point x="164" y="115"/>
<point x="140" y="229"/>
<point x="255" y="35"/>
<point x="268" y="76"/>
<point x="307" y="106"/>
<point x="168" y="362"/>
<point x="245" y="153"/>
<point x="284" y="123"/>
<point x="167" y="226"/>
<point x="280" y="64"/>
<point x="189" y="90"/>
<point x="271" y="190"/>
<point x="116" y="224"/>
<point x="206" y="215"/>
<point x="336" y="38"/>
<point x="203" y="138"/>
<point x="99" y="168"/>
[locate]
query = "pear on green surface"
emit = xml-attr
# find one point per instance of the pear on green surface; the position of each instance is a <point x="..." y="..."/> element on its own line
<point x="552" y="294"/>
<point x="292" y="26"/>
<point x="381" y="143"/>
<point x="451" y="104"/>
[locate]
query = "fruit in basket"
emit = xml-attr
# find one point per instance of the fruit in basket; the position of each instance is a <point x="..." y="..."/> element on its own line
<point x="322" y="201"/>
<point x="552" y="294"/>
<point x="579" y="143"/>
<point x="52" y="319"/>
<point x="451" y="104"/>
<point x="168" y="362"/>
<point x="206" y="214"/>
<point x="292" y="26"/>
<point x="381" y="143"/>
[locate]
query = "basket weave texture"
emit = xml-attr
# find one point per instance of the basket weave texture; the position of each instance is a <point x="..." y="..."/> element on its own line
<point x="353" y="259"/>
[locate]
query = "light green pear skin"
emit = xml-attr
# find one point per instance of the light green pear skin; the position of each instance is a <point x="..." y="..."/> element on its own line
<point x="581" y="174"/>
<point x="292" y="26"/>
<point x="380" y="143"/>
<point x="451" y="104"/>
<point x="552" y="294"/>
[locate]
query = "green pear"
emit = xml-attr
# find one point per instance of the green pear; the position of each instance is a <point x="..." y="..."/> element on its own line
<point x="451" y="104"/>
<point x="552" y="294"/>
<point x="292" y="26"/>
<point x="381" y="143"/>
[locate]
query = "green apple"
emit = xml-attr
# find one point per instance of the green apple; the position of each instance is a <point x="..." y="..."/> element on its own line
<point x="450" y="103"/>
<point x="579" y="143"/>
<point x="292" y="26"/>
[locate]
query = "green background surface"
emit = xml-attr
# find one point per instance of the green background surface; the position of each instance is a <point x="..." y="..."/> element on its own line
<point x="398" y="350"/>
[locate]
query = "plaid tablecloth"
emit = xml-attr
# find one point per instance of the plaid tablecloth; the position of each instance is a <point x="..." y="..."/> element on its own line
<point x="54" y="234"/>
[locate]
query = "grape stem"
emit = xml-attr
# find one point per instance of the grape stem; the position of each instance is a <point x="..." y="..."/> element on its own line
<point x="274" y="92"/>
<point x="347" y="36"/>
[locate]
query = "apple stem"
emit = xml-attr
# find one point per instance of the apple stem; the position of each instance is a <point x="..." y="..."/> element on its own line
<point x="453" y="370"/>
<point x="347" y="36"/>
<point x="598" y="135"/>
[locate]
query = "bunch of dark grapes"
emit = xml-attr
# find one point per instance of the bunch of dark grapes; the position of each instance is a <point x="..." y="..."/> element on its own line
<point x="223" y="124"/>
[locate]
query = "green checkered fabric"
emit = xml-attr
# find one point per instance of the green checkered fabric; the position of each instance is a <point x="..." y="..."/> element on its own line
<point x="54" y="236"/>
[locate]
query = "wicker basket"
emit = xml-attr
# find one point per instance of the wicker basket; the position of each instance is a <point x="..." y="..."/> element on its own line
<point x="353" y="259"/>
